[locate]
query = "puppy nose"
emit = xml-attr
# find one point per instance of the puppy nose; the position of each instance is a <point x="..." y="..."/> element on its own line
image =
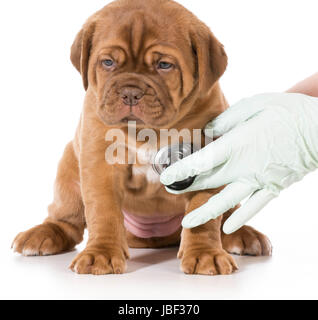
<point x="131" y="95"/>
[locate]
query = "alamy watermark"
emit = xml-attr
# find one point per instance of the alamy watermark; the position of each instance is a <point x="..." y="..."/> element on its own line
<point x="139" y="146"/>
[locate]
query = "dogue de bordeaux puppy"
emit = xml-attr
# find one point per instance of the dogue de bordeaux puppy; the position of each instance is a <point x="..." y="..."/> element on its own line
<point x="154" y="62"/>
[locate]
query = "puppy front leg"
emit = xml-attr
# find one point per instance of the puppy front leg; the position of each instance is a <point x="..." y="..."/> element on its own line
<point x="106" y="251"/>
<point x="201" y="249"/>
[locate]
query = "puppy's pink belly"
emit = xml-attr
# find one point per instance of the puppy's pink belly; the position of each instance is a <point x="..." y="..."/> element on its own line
<point x="158" y="226"/>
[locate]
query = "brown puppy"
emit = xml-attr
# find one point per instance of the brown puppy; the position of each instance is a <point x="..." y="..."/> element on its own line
<point x="154" y="62"/>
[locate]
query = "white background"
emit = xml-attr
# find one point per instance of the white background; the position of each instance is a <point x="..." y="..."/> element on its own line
<point x="271" y="45"/>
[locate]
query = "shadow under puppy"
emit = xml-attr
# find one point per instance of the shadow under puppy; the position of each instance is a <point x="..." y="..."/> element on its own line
<point x="154" y="62"/>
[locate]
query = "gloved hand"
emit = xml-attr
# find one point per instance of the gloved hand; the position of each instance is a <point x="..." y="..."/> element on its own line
<point x="267" y="142"/>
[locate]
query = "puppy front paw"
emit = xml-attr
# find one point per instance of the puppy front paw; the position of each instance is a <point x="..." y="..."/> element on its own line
<point x="99" y="261"/>
<point x="207" y="262"/>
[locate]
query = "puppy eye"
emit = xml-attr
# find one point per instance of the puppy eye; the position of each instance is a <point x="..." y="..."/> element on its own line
<point x="108" y="63"/>
<point x="165" y="65"/>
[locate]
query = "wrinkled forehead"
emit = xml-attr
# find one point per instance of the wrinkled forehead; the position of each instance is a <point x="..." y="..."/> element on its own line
<point x="138" y="32"/>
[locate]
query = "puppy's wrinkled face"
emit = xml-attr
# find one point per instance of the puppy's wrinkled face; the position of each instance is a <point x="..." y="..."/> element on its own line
<point x="140" y="74"/>
<point x="141" y="60"/>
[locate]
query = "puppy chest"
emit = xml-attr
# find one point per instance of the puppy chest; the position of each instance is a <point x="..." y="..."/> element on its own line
<point x="146" y="172"/>
<point x="142" y="170"/>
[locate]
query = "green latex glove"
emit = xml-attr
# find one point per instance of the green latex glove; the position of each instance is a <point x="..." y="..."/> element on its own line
<point x="267" y="142"/>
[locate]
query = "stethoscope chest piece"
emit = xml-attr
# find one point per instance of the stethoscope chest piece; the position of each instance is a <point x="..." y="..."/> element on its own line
<point x="169" y="155"/>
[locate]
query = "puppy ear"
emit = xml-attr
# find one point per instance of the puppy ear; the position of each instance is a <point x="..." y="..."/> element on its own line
<point x="211" y="58"/>
<point x="80" y="51"/>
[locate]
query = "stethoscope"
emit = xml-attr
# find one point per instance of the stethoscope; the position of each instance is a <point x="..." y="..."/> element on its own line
<point x="169" y="155"/>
